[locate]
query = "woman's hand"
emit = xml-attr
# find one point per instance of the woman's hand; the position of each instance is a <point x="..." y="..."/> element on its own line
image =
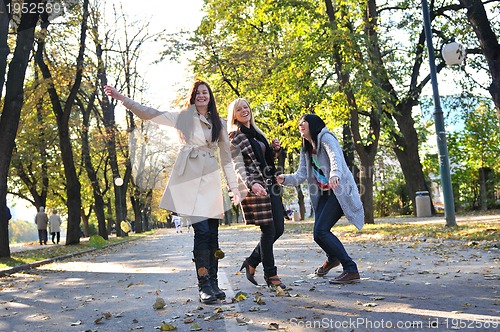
<point x="113" y="93"/>
<point x="258" y="190"/>
<point x="280" y="179"/>
<point x="236" y="196"/>
<point x="334" y="182"/>
<point x="276" y="144"/>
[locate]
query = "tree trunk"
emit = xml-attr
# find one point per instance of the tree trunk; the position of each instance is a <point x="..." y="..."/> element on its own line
<point x="406" y="150"/>
<point x="488" y="42"/>
<point x="302" y="205"/>
<point x="109" y="216"/>
<point x="138" y="208"/>
<point x="9" y="120"/>
<point x="4" y="46"/>
<point x="484" y="193"/>
<point x="110" y="125"/>
<point x="85" y="221"/>
<point x="89" y="167"/>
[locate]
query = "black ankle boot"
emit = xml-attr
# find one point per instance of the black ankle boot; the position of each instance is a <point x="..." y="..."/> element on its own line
<point x="207" y="295"/>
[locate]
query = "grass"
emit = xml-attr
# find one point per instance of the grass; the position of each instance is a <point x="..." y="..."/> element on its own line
<point x="404" y="231"/>
<point x="49" y="251"/>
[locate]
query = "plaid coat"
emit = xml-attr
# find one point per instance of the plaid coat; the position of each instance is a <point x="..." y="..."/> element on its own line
<point x="256" y="209"/>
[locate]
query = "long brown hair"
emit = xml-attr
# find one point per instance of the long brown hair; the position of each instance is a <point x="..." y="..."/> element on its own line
<point x="184" y="122"/>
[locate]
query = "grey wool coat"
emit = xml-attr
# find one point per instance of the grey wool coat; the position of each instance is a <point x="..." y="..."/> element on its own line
<point x="332" y="163"/>
<point x="256" y="209"/>
<point x="194" y="187"/>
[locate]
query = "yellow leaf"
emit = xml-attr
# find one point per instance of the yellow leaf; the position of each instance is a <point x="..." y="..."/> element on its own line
<point x="167" y="327"/>
<point x="159" y="303"/>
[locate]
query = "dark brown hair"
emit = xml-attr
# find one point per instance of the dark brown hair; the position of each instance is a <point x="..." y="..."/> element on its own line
<point x="187" y="128"/>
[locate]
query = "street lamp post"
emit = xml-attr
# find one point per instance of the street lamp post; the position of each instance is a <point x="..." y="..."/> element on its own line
<point x="118" y="184"/>
<point x="444" y="163"/>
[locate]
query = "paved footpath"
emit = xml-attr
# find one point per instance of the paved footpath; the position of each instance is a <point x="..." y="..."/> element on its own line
<point x="407" y="285"/>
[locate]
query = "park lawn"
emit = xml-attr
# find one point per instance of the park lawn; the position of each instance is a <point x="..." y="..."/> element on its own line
<point x="406" y="231"/>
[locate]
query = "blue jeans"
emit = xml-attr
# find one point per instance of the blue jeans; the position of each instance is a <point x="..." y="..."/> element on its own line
<point x="264" y="252"/>
<point x="206" y="235"/>
<point x="326" y="215"/>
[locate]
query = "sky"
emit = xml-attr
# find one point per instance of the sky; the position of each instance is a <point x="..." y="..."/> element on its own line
<point x="164" y="79"/>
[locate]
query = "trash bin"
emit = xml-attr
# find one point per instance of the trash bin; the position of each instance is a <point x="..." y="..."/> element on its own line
<point x="296" y="216"/>
<point x="423" y="204"/>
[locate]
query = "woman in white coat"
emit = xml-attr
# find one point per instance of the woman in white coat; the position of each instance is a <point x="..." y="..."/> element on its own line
<point x="333" y="193"/>
<point x="194" y="188"/>
<point x="55" y="226"/>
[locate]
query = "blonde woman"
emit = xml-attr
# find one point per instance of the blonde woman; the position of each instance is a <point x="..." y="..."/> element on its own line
<point x="253" y="158"/>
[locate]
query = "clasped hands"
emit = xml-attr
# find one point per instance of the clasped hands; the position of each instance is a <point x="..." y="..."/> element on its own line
<point x="334" y="181"/>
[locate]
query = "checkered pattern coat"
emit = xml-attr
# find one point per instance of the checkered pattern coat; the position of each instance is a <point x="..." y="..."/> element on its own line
<point x="256" y="209"/>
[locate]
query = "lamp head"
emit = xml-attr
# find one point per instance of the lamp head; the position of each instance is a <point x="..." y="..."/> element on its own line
<point x="119" y="182"/>
<point x="453" y="53"/>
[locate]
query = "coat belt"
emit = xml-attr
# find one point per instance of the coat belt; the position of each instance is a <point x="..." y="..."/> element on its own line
<point x="192" y="152"/>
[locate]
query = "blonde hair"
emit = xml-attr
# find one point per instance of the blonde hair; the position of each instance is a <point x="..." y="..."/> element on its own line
<point x="232" y="123"/>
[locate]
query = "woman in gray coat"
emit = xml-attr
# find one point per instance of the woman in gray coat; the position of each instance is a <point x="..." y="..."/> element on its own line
<point x="333" y="193"/>
<point x="194" y="188"/>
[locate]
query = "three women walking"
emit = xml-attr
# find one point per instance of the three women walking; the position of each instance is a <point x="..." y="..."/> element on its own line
<point x="194" y="188"/>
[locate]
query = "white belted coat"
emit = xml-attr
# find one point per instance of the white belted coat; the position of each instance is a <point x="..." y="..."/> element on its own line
<point x="194" y="188"/>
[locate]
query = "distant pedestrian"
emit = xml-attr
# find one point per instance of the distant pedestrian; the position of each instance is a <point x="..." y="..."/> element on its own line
<point x="333" y="193"/>
<point x="55" y="226"/>
<point x="177" y="222"/>
<point x="41" y="221"/>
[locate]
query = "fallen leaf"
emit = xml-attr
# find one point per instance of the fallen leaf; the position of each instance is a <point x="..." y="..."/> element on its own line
<point x="257" y="299"/>
<point x="159" y="304"/>
<point x="195" y="327"/>
<point x="243" y="320"/>
<point x="167" y="327"/>
<point x="273" y="326"/>
<point x="240" y="296"/>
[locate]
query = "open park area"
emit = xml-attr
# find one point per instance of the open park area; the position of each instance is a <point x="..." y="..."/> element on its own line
<point x="416" y="283"/>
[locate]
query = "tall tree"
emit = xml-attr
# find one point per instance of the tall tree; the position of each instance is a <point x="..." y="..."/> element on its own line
<point x="62" y="111"/>
<point x="92" y="174"/>
<point x="9" y="120"/>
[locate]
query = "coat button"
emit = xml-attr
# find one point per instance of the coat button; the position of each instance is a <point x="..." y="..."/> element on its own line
<point x="203" y="154"/>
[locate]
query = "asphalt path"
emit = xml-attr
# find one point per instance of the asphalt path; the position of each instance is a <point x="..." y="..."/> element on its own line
<point x="407" y="285"/>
